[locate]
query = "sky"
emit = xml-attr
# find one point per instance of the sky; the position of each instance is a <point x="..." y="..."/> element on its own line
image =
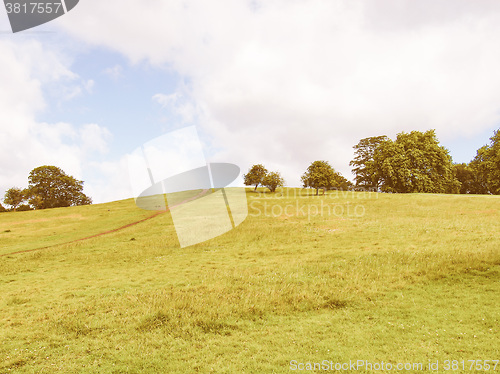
<point x="277" y="82"/>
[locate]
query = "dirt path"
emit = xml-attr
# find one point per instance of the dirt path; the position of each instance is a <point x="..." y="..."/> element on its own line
<point x="109" y="231"/>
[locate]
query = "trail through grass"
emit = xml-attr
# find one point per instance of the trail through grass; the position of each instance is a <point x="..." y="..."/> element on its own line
<point x="347" y="276"/>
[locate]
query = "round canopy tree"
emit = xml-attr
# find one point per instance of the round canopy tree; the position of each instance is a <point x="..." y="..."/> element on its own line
<point x="320" y="174"/>
<point x="14" y="197"/>
<point x="50" y="187"/>
<point x="255" y="176"/>
<point x="273" y="180"/>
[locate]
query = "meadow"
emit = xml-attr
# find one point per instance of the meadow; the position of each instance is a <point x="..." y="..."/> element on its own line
<point x="349" y="276"/>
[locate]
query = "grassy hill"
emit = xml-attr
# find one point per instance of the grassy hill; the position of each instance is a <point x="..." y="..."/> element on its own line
<point x="347" y="276"/>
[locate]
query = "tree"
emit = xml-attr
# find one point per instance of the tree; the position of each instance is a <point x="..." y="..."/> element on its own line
<point x="320" y="174"/>
<point x="415" y="162"/>
<point x="14" y="197"/>
<point x="50" y="187"/>
<point x="468" y="178"/>
<point x="2" y="208"/>
<point x="365" y="172"/>
<point x="486" y="165"/>
<point x="340" y="183"/>
<point x="273" y="180"/>
<point x="255" y="175"/>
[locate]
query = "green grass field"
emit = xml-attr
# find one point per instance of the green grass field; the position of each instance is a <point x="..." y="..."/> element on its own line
<point x="349" y="276"/>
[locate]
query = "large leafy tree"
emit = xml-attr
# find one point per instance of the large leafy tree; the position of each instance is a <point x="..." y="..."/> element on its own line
<point x="255" y="176"/>
<point x="415" y="162"/>
<point x="51" y="187"/>
<point x="273" y="180"/>
<point x="14" y="197"/>
<point x="320" y="174"/>
<point x="364" y="167"/>
<point x="486" y="165"/>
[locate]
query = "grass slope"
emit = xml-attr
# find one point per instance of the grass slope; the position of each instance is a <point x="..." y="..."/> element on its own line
<point x="347" y="276"/>
<point x="41" y="228"/>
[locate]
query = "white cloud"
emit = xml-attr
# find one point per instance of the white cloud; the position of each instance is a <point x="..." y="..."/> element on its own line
<point x="165" y="100"/>
<point x="178" y="105"/>
<point x="25" y="67"/>
<point x="288" y="82"/>
<point x="89" y="85"/>
<point x="70" y="90"/>
<point x="108" y="181"/>
<point x="94" y="138"/>
<point x="114" y="72"/>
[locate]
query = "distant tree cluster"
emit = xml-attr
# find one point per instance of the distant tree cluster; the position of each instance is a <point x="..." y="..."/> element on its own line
<point x="258" y="175"/>
<point x="414" y="162"/>
<point x="49" y="187"/>
<point x="318" y="175"/>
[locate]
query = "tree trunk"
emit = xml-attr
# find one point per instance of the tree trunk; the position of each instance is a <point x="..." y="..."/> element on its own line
<point x="255" y="189"/>
<point x="317" y="191"/>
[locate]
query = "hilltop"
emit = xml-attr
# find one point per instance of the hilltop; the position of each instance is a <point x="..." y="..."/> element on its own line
<point x="346" y="276"/>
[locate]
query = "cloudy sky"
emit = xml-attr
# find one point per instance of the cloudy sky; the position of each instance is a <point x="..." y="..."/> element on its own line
<point x="278" y="82"/>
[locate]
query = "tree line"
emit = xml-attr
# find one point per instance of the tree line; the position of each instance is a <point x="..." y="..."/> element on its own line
<point x="48" y="187"/>
<point x="414" y="162"/>
<point x="319" y="175"/>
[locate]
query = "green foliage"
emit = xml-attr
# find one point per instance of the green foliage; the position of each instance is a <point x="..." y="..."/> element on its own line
<point x="486" y="165"/>
<point x="340" y="183"/>
<point x="365" y="170"/>
<point x="320" y="174"/>
<point x="414" y="162"/>
<point x="255" y="175"/>
<point x="468" y="178"/>
<point x="50" y="187"/>
<point x="14" y="197"/>
<point x="273" y="180"/>
<point x="24" y="208"/>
